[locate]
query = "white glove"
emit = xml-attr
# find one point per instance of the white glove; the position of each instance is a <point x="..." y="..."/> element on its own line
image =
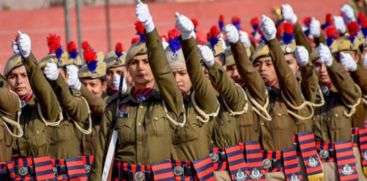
<point x="339" y="24"/>
<point x="244" y="39"/>
<point x="164" y="44"/>
<point x="364" y="61"/>
<point x="116" y="82"/>
<point x="51" y="72"/>
<point x="143" y="15"/>
<point x="346" y="60"/>
<point x="325" y="55"/>
<point x="24" y="43"/>
<point x="14" y="46"/>
<point x="288" y="14"/>
<point x="301" y="55"/>
<point x="268" y="28"/>
<point x="73" y="80"/>
<point x="315" y="28"/>
<point x="207" y="55"/>
<point x="232" y="33"/>
<point x="348" y="13"/>
<point x="185" y="25"/>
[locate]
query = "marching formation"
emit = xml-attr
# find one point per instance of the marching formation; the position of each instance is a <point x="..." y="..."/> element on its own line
<point x="286" y="102"/>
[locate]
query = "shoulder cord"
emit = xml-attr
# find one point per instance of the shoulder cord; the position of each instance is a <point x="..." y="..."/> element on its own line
<point x="302" y="106"/>
<point x="245" y="108"/>
<point x="89" y="130"/>
<point x="47" y="123"/>
<point x="353" y="107"/>
<point x="322" y="101"/>
<point x="259" y="109"/>
<point x="171" y="119"/>
<point x="16" y="124"/>
<point x="364" y="99"/>
<point x="203" y="117"/>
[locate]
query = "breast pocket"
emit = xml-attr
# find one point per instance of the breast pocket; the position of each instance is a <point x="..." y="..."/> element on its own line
<point x="38" y="137"/>
<point x="125" y="129"/>
<point x="281" y="119"/>
<point x="337" y="119"/>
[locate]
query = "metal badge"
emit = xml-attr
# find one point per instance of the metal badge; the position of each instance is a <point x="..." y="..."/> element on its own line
<point x="365" y="155"/>
<point x="294" y="177"/>
<point x="256" y="174"/>
<point x="178" y="171"/>
<point x="324" y="154"/>
<point x="174" y="56"/>
<point x="324" y="89"/>
<point x="23" y="171"/>
<point x="347" y="170"/>
<point x="312" y="162"/>
<point x="87" y="168"/>
<point x="123" y="114"/>
<point x="267" y="163"/>
<point x="288" y="49"/>
<point x="240" y="176"/>
<point x="141" y="99"/>
<point x="214" y="157"/>
<point x="139" y="176"/>
<point x="54" y="169"/>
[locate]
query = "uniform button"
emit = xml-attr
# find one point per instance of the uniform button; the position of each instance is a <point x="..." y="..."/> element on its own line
<point x="156" y="118"/>
<point x="38" y="132"/>
<point x="139" y="143"/>
<point x="336" y="115"/>
<point x="141" y="107"/>
<point x="262" y="124"/>
<point x="139" y="124"/>
<point x="279" y="114"/>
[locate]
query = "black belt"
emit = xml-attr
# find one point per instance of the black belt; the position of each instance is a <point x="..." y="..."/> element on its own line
<point x="184" y="170"/>
<point x="273" y="163"/>
<point x="324" y="154"/>
<point x="218" y="157"/>
<point x="61" y="169"/>
<point x="129" y="175"/>
<point x="24" y="171"/>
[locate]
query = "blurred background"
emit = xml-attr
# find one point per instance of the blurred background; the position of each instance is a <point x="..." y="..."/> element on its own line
<point x="105" y="22"/>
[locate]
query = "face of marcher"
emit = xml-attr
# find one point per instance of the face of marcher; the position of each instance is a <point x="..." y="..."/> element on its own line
<point x="96" y="86"/>
<point x="19" y="82"/>
<point x="140" y="71"/>
<point x="183" y="80"/>
<point x="266" y="69"/>
<point x="233" y="73"/>
<point x="111" y="72"/>
<point x="321" y="72"/>
<point x="292" y="63"/>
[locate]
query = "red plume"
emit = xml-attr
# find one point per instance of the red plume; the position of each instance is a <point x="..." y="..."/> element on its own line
<point x="85" y="45"/>
<point x="71" y="46"/>
<point x="329" y="18"/>
<point x="235" y="19"/>
<point x="134" y="40"/>
<point x="307" y="21"/>
<point x="195" y="22"/>
<point x="255" y="21"/>
<point x="214" y="31"/>
<point x="139" y="27"/>
<point x="174" y="33"/>
<point x="332" y="32"/>
<point x="353" y="28"/>
<point x="53" y="42"/>
<point x="221" y="18"/>
<point x="288" y="28"/>
<point x="118" y="47"/>
<point x="89" y="55"/>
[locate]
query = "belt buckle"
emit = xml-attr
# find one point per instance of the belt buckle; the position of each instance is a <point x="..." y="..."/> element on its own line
<point x="87" y="168"/>
<point x="214" y="157"/>
<point x="294" y="177"/>
<point x="139" y="176"/>
<point x="312" y="162"/>
<point x="267" y="163"/>
<point x="178" y="171"/>
<point x="255" y="174"/>
<point x="240" y="175"/>
<point x="23" y="171"/>
<point x="324" y="153"/>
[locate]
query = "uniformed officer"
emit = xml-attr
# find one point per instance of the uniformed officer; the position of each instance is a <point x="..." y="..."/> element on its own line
<point x="40" y="104"/>
<point x="10" y="129"/>
<point x="144" y="116"/>
<point x="199" y="96"/>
